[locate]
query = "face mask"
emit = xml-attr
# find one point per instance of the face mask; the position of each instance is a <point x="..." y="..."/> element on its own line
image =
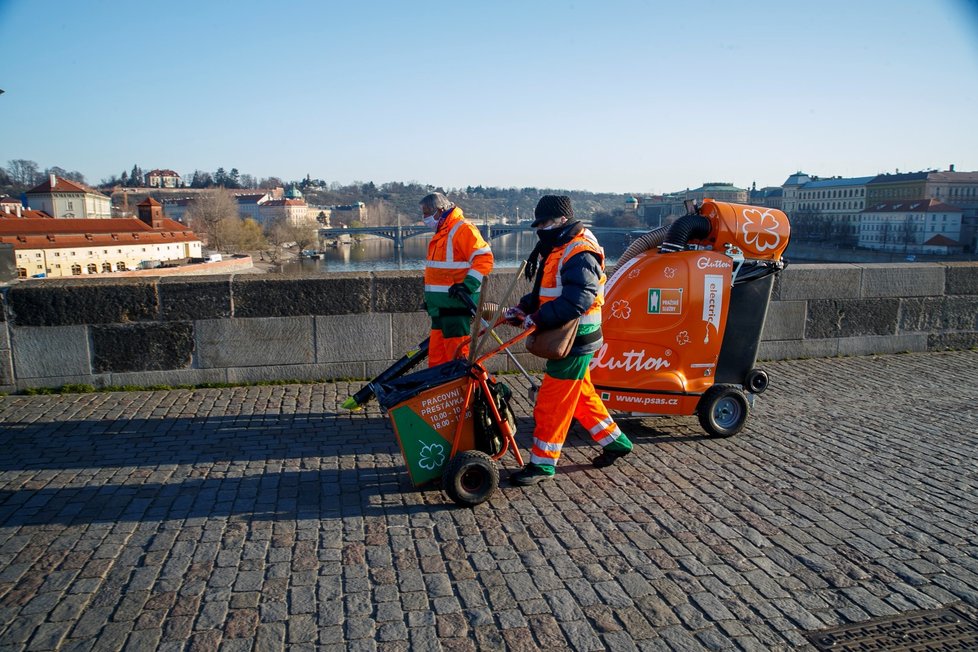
<point x="431" y="222"/>
<point x="548" y="237"/>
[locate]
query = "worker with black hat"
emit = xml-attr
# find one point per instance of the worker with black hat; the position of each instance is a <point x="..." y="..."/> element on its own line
<point x="567" y="267"/>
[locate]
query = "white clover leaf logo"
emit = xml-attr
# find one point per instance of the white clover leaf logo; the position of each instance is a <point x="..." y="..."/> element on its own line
<point x="432" y="456"/>
<point x="761" y="229"/>
<point x="634" y="273"/>
<point x="621" y="309"/>
<point x="669" y="272"/>
<point x="682" y="338"/>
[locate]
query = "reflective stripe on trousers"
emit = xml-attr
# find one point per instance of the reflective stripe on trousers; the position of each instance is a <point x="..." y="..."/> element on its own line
<point x="560" y="400"/>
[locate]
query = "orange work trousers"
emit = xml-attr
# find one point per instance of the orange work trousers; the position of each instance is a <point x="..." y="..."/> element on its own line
<point x="442" y="349"/>
<point x="567" y="393"/>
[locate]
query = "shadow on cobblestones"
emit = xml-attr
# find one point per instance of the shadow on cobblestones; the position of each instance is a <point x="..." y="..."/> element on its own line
<point x="160" y="469"/>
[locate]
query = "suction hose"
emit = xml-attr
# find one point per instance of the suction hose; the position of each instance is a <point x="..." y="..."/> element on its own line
<point x="642" y="243"/>
<point x="686" y="227"/>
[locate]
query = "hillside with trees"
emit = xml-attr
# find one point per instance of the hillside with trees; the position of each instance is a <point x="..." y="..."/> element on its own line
<point x="386" y="203"/>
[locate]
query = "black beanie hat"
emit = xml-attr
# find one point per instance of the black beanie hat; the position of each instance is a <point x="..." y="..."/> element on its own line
<point x="550" y="207"/>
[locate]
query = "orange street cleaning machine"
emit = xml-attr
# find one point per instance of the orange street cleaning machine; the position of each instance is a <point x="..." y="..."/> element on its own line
<point x="683" y="315"/>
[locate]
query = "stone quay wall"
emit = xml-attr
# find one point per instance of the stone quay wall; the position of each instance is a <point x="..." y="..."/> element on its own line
<point x="246" y="328"/>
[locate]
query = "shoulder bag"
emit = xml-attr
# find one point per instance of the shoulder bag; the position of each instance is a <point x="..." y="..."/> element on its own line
<point x="553" y="343"/>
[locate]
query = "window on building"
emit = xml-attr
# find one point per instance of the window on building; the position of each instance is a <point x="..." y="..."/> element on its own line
<point x="120" y="267"/>
<point x="76" y="270"/>
<point x="106" y="267"/>
<point x="92" y="268"/>
<point x="21" y="272"/>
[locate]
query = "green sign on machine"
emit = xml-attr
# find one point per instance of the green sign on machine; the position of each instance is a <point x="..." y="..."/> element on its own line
<point x="655" y="300"/>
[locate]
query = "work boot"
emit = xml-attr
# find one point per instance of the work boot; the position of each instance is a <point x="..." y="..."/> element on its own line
<point x="532" y="474"/>
<point x="610" y="453"/>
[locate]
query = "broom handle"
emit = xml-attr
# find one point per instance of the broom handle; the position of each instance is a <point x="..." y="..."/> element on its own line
<point x="499" y="309"/>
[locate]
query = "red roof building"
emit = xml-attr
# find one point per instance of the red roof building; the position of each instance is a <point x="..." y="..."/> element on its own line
<point x="45" y="246"/>
<point x="914" y="226"/>
<point x="62" y="198"/>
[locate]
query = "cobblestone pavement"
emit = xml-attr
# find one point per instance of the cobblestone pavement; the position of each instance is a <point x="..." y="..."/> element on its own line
<point x="262" y="518"/>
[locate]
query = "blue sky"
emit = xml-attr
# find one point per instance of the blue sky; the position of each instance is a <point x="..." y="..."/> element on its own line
<point x="605" y="95"/>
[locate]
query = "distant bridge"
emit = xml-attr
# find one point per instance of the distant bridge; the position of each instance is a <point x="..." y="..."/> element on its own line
<point x="399" y="233"/>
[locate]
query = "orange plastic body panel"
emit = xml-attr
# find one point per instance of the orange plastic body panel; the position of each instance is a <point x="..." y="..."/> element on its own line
<point x="761" y="233"/>
<point x="663" y="321"/>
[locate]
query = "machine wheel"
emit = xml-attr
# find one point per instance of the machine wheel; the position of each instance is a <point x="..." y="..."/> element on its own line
<point x="756" y="381"/>
<point x="723" y="410"/>
<point x="470" y="478"/>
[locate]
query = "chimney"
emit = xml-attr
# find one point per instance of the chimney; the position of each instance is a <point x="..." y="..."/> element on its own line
<point x="951" y="168"/>
<point x="53" y="180"/>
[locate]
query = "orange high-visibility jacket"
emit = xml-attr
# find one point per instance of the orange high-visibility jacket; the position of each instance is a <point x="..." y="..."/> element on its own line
<point x="551" y="285"/>
<point x="457" y="252"/>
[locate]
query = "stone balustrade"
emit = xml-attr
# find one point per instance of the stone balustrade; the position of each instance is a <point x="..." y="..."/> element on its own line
<point x="250" y="328"/>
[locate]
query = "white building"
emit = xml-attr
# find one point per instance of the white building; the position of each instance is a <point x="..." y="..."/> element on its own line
<point x="162" y="179"/>
<point x="920" y="226"/>
<point x="68" y="199"/>
<point x="49" y="247"/>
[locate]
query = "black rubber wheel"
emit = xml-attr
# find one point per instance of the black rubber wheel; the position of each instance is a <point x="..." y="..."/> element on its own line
<point x="756" y="381"/>
<point x="470" y="478"/>
<point x="723" y="410"/>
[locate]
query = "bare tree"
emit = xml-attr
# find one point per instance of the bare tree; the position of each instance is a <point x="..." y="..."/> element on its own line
<point x="302" y="236"/>
<point x="908" y="232"/>
<point x="381" y="212"/>
<point x="23" y="172"/>
<point x="214" y="216"/>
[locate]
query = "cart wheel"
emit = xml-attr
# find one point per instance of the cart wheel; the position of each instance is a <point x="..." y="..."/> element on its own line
<point x="723" y="410"/>
<point x="470" y="478"/>
<point x="756" y="381"/>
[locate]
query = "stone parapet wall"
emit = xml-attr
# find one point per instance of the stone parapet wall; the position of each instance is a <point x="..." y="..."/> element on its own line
<point x="249" y="328"/>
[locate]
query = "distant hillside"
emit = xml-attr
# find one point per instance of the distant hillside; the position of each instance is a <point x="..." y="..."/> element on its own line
<point x="386" y="201"/>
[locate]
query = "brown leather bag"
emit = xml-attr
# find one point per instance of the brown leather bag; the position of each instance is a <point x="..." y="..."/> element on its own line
<point x="553" y="343"/>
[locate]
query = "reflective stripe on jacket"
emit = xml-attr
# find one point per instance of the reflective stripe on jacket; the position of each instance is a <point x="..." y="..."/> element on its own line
<point x="552" y="285"/>
<point x="457" y="253"/>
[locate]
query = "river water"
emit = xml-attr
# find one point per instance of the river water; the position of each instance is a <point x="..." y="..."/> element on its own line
<point x="377" y="254"/>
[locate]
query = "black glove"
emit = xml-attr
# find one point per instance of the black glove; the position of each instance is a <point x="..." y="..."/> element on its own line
<point x="457" y="290"/>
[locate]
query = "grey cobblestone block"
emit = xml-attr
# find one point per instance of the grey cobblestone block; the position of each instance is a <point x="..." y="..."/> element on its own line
<point x="834" y="318"/>
<point x="254" y="342"/>
<point x="340" y="294"/>
<point x="51" y="352"/>
<point x="141" y="347"/>
<point x="187" y="299"/>
<point x="93" y="301"/>
<point x="806" y="281"/>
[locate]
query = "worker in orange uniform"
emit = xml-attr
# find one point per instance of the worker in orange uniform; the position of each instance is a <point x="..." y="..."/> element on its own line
<point x="568" y="284"/>
<point x="458" y="260"/>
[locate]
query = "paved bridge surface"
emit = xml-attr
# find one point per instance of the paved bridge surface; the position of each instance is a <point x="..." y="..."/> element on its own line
<point x="264" y="518"/>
